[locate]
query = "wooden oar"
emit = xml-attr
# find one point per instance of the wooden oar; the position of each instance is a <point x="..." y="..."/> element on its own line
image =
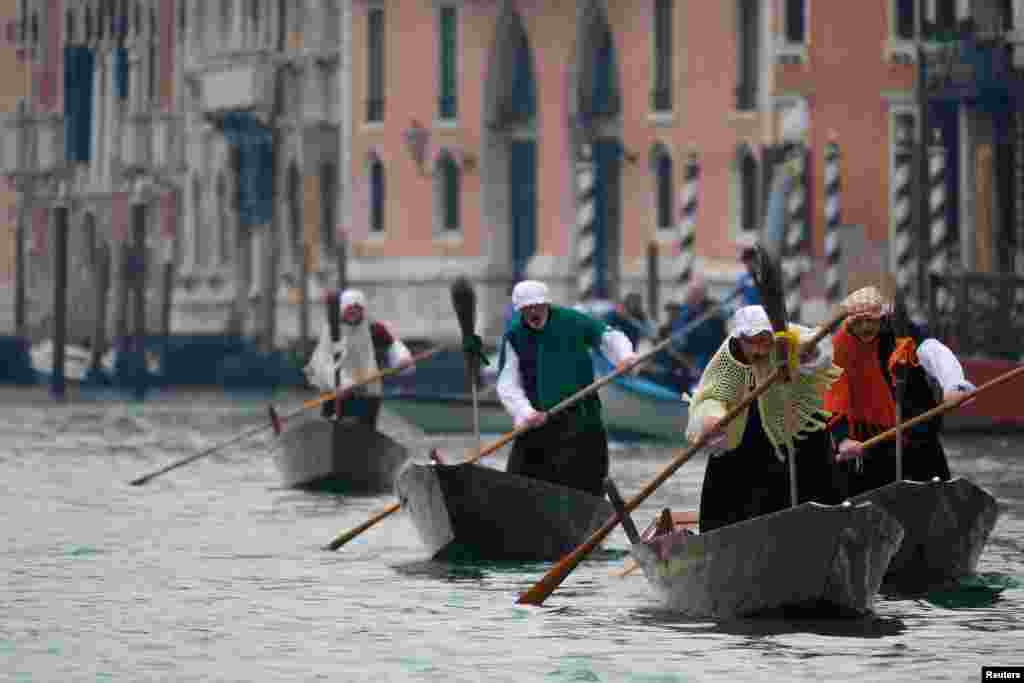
<point x="582" y="393"/>
<point x="937" y="410"/>
<point x="311" y="403"/>
<point x="540" y="591"/>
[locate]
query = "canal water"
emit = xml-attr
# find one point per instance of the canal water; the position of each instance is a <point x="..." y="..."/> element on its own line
<point x="211" y="572"/>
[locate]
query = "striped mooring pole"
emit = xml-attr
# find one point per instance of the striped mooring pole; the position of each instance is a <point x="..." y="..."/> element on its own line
<point x="683" y="264"/>
<point x="833" y="247"/>
<point x="939" y="243"/>
<point x="586" y="239"/>
<point x="903" y="216"/>
<point x="796" y="234"/>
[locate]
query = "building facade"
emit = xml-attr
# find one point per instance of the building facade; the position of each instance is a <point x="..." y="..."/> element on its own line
<point x="285" y="147"/>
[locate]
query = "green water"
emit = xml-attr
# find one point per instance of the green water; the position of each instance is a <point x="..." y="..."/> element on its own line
<point x="213" y="573"/>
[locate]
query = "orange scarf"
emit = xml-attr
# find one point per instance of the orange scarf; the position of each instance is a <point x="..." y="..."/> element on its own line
<point x="861" y="392"/>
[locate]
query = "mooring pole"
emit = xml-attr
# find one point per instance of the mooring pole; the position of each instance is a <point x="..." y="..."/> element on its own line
<point x="58" y="386"/>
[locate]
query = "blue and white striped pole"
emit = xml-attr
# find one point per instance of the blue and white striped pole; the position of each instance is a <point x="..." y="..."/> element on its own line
<point x="939" y="243"/>
<point x="586" y="215"/>
<point x="796" y="235"/>
<point x="833" y="247"/>
<point x="903" y="216"/>
<point x="684" y="260"/>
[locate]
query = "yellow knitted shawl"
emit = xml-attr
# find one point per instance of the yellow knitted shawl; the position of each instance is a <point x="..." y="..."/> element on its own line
<point x="787" y="409"/>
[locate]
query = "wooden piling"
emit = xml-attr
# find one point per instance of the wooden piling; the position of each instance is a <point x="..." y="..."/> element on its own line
<point x="59" y="226"/>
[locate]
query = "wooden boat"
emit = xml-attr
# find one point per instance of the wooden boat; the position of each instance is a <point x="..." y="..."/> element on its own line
<point x="338" y="455"/>
<point x="634" y="408"/>
<point x="819" y="559"/>
<point x="946" y="524"/>
<point x="473" y="512"/>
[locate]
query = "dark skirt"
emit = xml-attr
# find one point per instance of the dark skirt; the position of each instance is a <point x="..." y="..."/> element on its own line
<point x="361" y="407"/>
<point x="923" y="459"/>
<point x="750" y="480"/>
<point x="565" y="450"/>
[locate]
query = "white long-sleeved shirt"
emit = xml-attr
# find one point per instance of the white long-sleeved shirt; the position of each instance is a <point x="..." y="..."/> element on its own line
<point x="941" y="364"/>
<point x="614" y="344"/>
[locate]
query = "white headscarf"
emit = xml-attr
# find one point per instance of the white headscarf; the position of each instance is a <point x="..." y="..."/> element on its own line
<point x="529" y="293"/>
<point x="750" y="321"/>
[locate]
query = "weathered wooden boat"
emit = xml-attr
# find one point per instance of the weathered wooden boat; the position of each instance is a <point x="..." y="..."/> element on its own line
<point x="825" y="560"/>
<point x="344" y="455"/>
<point x="634" y="408"/>
<point x="473" y="512"/>
<point x="946" y="525"/>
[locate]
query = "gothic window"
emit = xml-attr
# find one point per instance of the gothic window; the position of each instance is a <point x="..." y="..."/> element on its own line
<point x="448" y="193"/>
<point x="448" y="76"/>
<point x="661" y="167"/>
<point x="795" y="21"/>
<point x="375" y="65"/>
<point x="749" y="183"/>
<point x="749" y="45"/>
<point x="376" y="196"/>
<point x="906" y="19"/>
<point x="661" y="87"/>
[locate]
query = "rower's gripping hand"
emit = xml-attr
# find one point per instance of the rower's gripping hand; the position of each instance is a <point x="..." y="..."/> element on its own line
<point x="473" y="345"/>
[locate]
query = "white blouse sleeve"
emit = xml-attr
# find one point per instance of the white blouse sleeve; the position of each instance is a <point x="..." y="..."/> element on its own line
<point x="616" y="346"/>
<point x="941" y="363"/>
<point x="510" y="388"/>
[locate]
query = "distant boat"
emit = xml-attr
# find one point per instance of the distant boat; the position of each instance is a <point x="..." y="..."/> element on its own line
<point x="633" y="407"/>
<point x="344" y="455"/>
<point x="78" y="361"/>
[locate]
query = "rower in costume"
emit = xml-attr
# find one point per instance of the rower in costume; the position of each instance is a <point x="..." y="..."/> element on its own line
<point x="352" y="348"/>
<point x="863" y="401"/>
<point x="747" y="475"/>
<point x="545" y="358"/>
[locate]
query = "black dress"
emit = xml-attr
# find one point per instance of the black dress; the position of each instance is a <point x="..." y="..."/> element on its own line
<point x="750" y="480"/>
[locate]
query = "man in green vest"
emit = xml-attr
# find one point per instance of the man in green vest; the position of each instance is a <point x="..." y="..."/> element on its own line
<point x="545" y="358"/>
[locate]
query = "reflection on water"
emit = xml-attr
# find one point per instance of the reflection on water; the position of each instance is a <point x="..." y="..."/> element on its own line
<point x="212" y="572"/>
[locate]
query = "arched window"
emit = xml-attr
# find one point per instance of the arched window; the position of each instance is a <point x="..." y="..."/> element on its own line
<point x="376" y="195"/>
<point x="664" y="197"/>
<point x="69" y="27"/>
<point x="750" y="180"/>
<point x="448" y="193"/>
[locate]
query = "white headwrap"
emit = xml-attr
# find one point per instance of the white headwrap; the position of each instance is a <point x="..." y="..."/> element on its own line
<point x="750" y="321"/>
<point x="528" y="293"/>
<point x="351" y="297"/>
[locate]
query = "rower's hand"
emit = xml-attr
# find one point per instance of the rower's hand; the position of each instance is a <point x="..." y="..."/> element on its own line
<point x="850" y="449"/>
<point x="716" y="438"/>
<point x="955" y="394"/>
<point x="535" y="420"/>
<point x="630" y="363"/>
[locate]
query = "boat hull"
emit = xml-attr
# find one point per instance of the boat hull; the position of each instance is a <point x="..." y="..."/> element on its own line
<point x="342" y="455"/>
<point x="947" y="524"/>
<point x="473" y="512"/>
<point x="829" y="560"/>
